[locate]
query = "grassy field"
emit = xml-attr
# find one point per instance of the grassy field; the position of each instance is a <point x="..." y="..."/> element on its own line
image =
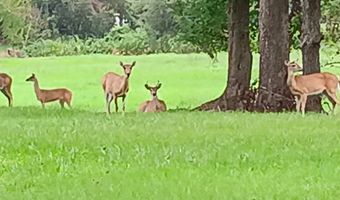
<point x="83" y="154"/>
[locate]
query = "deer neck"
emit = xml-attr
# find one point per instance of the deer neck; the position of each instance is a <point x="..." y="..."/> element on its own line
<point x="154" y="98"/>
<point x="125" y="77"/>
<point x="36" y="88"/>
<point x="125" y="82"/>
<point x="290" y="78"/>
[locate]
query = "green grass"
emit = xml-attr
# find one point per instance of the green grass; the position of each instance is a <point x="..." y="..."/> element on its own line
<point x="187" y="79"/>
<point x="83" y="154"/>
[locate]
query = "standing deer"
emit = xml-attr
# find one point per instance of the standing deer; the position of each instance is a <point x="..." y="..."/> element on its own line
<point x="45" y="96"/>
<point x="115" y="86"/>
<point x="155" y="105"/>
<point x="5" y="87"/>
<point x="302" y="86"/>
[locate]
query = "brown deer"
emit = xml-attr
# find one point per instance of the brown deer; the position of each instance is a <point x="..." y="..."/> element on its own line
<point x="45" y="96"/>
<point x="154" y="105"/>
<point x="115" y="86"/>
<point x="302" y="86"/>
<point x="15" y="53"/>
<point x="5" y="87"/>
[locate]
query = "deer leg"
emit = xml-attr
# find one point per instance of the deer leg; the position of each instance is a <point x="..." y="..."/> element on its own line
<point x="303" y="101"/>
<point x="42" y="104"/>
<point x="109" y="99"/>
<point x="8" y="96"/>
<point x="298" y="103"/>
<point x="123" y="101"/>
<point x="116" y="103"/>
<point x="333" y="99"/>
<point x="69" y="104"/>
<point x="62" y="103"/>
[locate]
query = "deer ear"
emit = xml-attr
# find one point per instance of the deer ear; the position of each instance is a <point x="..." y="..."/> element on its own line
<point x="147" y="86"/>
<point x="133" y="64"/>
<point x="33" y="74"/>
<point x="121" y="63"/>
<point x="159" y="85"/>
<point x="287" y="63"/>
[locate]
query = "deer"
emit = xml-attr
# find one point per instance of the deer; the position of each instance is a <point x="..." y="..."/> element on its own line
<point x="45" y="96"/>
<point x="115" y="85"/>
<point x="5" y="87"/>
<point x="15" y="53"/>
<point x="154" y="105"/>
<point x="302" y="86"/>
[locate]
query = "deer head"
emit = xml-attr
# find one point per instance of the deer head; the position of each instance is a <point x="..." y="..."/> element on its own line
<point x="31" y="78"/>
<point x="128" y="68"/>
<point x="153" y="90"/>
<point x="293" y="66"/>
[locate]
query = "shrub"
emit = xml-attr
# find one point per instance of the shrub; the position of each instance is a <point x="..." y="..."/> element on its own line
<point x="120" y="40"/>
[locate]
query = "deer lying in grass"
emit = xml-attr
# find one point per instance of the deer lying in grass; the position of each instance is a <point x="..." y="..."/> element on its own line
<point x="155" y="105"/>
<point x="115" y="86"/>
<point x="5" y="87"/>
<point x="303" y="86"/>
<point x="45" y="96"/>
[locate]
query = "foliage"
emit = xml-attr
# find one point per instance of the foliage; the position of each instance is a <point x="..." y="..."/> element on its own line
<point x="76" y="17"/>
<point x="331" y="19"/>
<point x="120" y="40"/>
<point x="203" y="23"/>
<point x="14" y="15"/>
<point x="191" y="25"/>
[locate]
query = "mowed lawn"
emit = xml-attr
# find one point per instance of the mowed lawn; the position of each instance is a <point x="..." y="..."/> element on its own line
<point x="84" y="154"/>
<point x="187" y="80"/>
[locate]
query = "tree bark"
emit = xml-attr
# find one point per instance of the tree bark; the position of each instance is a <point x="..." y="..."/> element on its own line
<point x="311" y="38"/>
<point x="274" y="95"/>
<point x="239" y="60"/>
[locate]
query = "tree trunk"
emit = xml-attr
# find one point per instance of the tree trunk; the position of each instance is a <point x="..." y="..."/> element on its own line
<point x="274" y="95"/>
<point x="311" y="38"/>
<point x="235" y="94"/>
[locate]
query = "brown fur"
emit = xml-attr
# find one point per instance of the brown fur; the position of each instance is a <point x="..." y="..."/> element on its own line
<point x="303" y="86"/>
<point x="5" y="87"/>
<point x="154" y="105"/>
<point x="115" y="86"/>
<point x="44" y="96"/>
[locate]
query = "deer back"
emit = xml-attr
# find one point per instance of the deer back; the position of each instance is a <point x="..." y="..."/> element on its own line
<point x="315" y="83"/>
<point x="54" y="94"/>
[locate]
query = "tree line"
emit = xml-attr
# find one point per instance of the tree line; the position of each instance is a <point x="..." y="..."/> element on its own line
<point x="200" y="23"/>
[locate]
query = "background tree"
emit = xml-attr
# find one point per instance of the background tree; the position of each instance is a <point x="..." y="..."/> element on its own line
<point x="239" y="60"/>
<point x="295" y="21"/>
<point x="14" y="20"/>
<point x="203" y="23"/>
<point x="274" y="94"/>
<point x="311" y="38"/>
